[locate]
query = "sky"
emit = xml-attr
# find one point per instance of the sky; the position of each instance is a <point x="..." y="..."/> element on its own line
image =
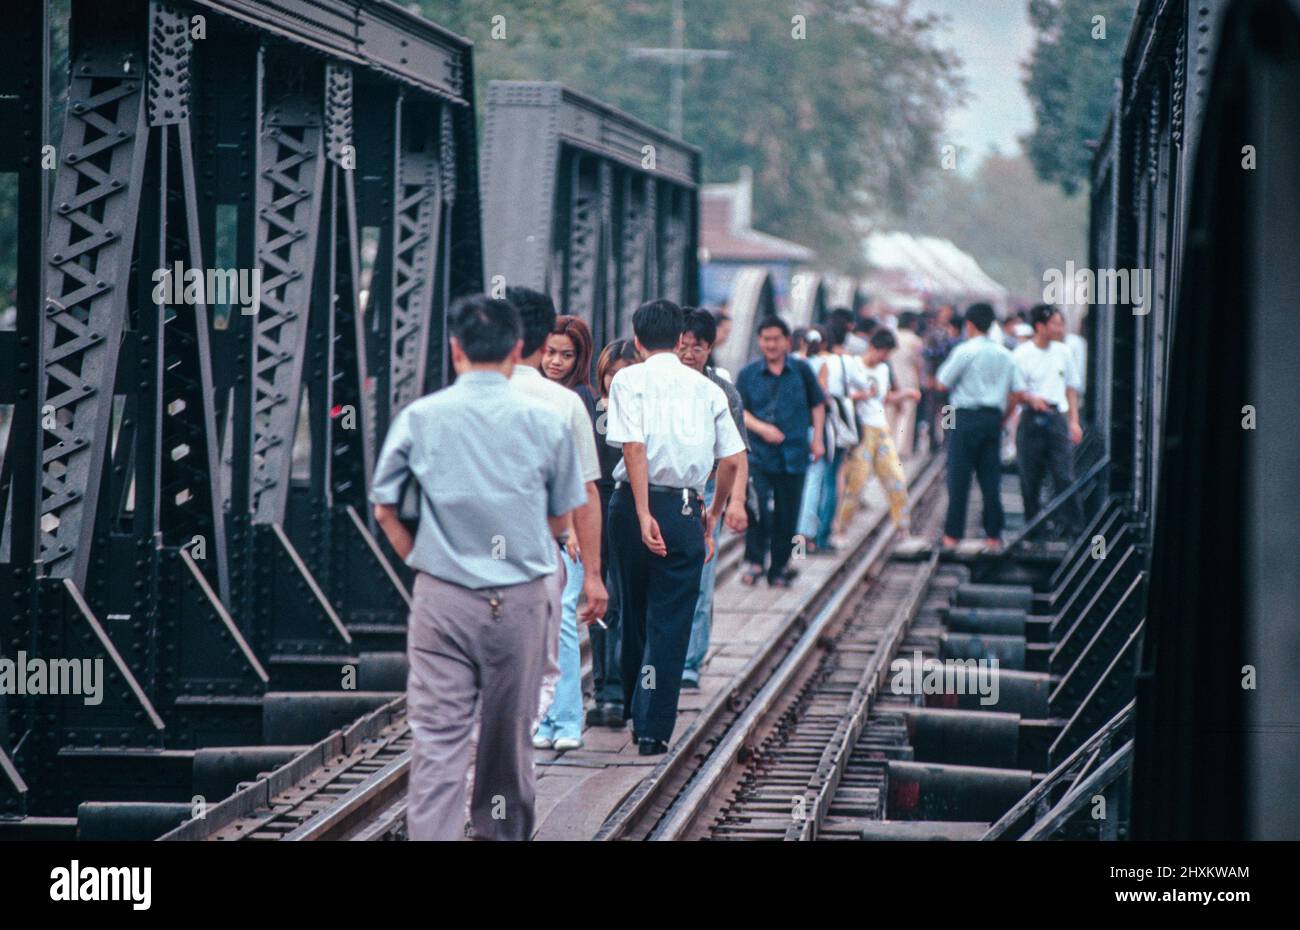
<point x="993" y="38"/>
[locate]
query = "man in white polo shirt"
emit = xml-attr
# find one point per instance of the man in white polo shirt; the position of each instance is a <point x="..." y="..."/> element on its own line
<point x="673" y="425"/>
<point x="1046" y="386"/>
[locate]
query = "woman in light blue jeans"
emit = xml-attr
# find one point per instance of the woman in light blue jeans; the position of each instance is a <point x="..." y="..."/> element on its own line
<point x="567" y="359"/>
<point x="813" y="524"/>
<point x="561" y="726"/>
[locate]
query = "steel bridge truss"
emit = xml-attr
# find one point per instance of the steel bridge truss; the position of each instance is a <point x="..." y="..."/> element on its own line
<point x="185" y="471"/>
<point x="587" y="204"/>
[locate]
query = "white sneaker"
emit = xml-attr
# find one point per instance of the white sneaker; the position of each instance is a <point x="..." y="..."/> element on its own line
<point x="541" y="742"/>
<point x="565" y="743"/>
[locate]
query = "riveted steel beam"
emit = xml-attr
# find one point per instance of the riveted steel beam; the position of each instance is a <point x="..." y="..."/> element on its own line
<point x="587" y="203"/>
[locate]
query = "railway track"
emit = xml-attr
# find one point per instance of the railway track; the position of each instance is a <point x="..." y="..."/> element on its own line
<point x="670" y="802"/>
<point x="352" y="784"/>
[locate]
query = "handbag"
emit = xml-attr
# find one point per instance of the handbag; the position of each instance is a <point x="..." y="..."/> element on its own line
<point x="408" y="508"/>
<point x="842" y="423"/>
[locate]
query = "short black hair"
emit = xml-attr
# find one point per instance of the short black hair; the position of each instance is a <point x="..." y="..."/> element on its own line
<point x="865" y="325"/>
<point x="768" y="322"/>
<point x="536" y="315"/>
<point x="1042" y="314"/>
<point x="486" y="329"/>
<point x="840" y="313"/>
<point x="658" y="324"/>
<point x="980" y="316"/>
<point x="909" y="319"/>
<point x="882" y="338"/>
<point x="837" y="331"/>
<point x="700" y="324"/>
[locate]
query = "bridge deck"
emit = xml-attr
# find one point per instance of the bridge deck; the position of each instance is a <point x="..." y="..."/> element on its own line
<point x="577" y="790"/>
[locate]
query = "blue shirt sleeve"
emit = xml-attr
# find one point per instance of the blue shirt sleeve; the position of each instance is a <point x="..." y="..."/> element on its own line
<point x="393" y="467"/>
<point x="812" y="387"/>
<point x="950" y="371"/>
<point x="742" y="388"/>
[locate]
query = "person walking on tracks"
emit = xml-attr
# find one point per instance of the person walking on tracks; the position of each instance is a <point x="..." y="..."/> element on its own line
<point x="1047" y="387"/>
<point x="869" y="383"/>
<point x="672" y="424"/>
<point x="699" y="334"/>
<point x="978" y="375"/>
<point x="498" y="477"/>
<point x="785" y="410"/>
<point x="607" y="639"/>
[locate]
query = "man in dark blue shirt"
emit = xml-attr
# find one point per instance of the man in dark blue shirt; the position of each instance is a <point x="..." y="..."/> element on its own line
<point x="785" y="409"/>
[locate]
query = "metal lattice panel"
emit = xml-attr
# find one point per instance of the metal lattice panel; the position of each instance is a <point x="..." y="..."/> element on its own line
<point x="418" y="212"/>
<point x="584" y="237"/>
<point x="290" y="173"/>
<point x="96" y="194"/>
<point x="676" y="245"/>
<point x="637" y="233"/>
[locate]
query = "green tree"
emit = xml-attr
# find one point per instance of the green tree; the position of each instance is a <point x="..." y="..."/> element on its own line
<point x="1070" y="80"/>
<point x="841" y="122"/>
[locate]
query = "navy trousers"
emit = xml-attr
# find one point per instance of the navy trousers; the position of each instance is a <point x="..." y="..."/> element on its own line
<point x="1043" y="447"/>
<point x="657" y="597"/>
<point x="975" y="446"/>
<point x="774" y="530"/>
<point x="606" y="673"/>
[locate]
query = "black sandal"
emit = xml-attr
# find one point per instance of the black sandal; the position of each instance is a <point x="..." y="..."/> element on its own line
<point x="750" y="576"/>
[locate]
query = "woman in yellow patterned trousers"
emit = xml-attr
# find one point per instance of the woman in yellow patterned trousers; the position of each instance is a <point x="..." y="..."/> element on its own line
<point x="877" y="453"/>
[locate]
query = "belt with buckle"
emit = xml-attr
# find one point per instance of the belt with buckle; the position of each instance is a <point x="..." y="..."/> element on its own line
<point x="688" y="494"/>
<point x="661" y="489"/>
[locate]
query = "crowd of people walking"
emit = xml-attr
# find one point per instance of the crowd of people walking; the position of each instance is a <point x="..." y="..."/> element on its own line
<point x="560" y="486"/>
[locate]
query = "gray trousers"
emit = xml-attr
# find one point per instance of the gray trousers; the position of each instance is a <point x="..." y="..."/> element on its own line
<point x="466" y="662"/>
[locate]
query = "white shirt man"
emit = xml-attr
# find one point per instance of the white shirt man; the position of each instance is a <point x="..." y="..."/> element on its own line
<point x="1046" y="372"/>
<point x="680" y="415"/>
<point x="672" y="424"/>
<point x="1046" y="382"/>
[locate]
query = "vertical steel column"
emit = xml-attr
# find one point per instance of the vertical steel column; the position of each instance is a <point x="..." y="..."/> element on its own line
<point x="605" y="314"/>
<point x="460" y="257"/>
<point x="24" y="108"/>
<point x="377" y="129"/>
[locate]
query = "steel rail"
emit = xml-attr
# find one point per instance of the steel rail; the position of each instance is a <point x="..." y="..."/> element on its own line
<point x="685" y="808"/>
<point x="375" y="795"/>
<point x="830" y="770"/>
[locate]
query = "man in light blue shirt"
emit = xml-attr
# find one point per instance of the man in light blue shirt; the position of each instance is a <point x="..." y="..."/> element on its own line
<point x="497" y="473"/>
<point x="978" y="376"/>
